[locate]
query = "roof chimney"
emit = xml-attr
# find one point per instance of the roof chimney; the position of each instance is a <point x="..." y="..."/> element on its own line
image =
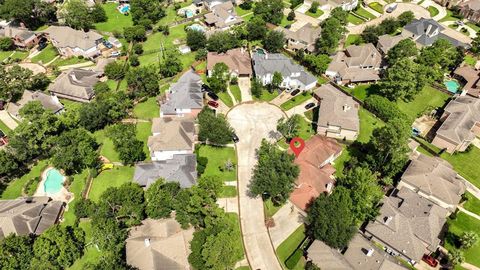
<point x="370" y="252"/>
<point x="346" y="107"/>
<point x="387" y="220"/>
<point x="147" y="242"/>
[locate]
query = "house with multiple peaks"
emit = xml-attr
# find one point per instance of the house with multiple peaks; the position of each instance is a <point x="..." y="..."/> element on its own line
<point x="22" y="37"/>
<point x="184" y="98"/>
<point x="48" y="102"/>
<point x="222" y="16"/>
<point x="301" y="39"/>
<point x="238" y="61"/>
<point x="75" y="84"/>
<point x="70" y="42"/>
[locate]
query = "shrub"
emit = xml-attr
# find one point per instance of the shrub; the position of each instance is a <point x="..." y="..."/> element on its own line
<point x="383" y="108"/>
<point x="138" y="48"/>
<point x="84" y="208"/>
<point x="314" y="7"/>
<point x="31" y="186"/>
<point x="134" y="62"/>
<point x="201" y="54"/>
<point x="234" y="80"/>
<point x="291" y="15"/>
<point x="201" y="165"/>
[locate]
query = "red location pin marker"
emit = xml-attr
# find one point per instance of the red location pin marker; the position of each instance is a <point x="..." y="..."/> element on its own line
<point x="297" y="144"/>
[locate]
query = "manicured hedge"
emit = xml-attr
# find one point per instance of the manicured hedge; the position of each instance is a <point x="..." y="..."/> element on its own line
<point x="383" y="108"/>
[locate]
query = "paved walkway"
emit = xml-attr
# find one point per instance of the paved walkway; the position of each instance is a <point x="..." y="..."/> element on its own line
<point x="229" y="204"/>
<point x="442" y="11"/>
<point x="469" y="213"/>
<point x="234" y="100"/>
<point x="469" y="266"/>
<point x="282" y="98"/>
<point x="245" y="85"/>
<point x="79" y="65"/>
<point x="472" y="189"/>
<point x="471" y="32"/>
<point x="8" y="120"/>
<point x="253" y="122"/>
<point x="287" y="220"/>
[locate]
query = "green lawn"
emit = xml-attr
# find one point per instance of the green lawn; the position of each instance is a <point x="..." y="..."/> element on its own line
<point x="339" y="163"/>
<point x="472" y="204"/>
<point x="270" y="209"/>
<point x="16" y="55"/>
<point x="171" y="13"/>
<point x="240" y="11"/>
<point x="266" y="96"/>
<point x="228" y="192"/>
<point x="14" y="188"/>
<point x="217" y="156"/>
<point x="353" y="39"/>
<point x="368" y="122"/>
<point x="289" y="246"/>
<point x="4" y="128"/>
<point x="428" y="99"/>
<point x="306" y="130"/>
<point x="69" y="61"/>
<point x="466" y="164"/>
<point x="116" y="20"/>
<point x="449" y="17"/>
<point x="4" y="55"/>
<point x="376" y="6"/>
<point x="238" y="235"/>
<point x="361" y="91"/>
<point x="295" y="101"/>
<point x="354" y="19"/>
<point x="106" y="146"/>
<point x="91" y="254"/>
<point x="364" y="13"/>
<point x="433" y="11"/>
<point x="110" y="178"/>
<point x="147" y="110"/>
<point x="46" y="55"/>
<point x="470" y="60"/>
<point x="285" y="22"/>
<point x="76" y="187"/>
<point x="464" y="223"/>
<point x="236" y="92"/>
<point x="473" y="26"/>
<point x="225" y="98"/>
<point x="317" y="14"/>
<point x="144" y="130"/>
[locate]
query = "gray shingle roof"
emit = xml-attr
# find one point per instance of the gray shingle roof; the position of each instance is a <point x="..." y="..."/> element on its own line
<point x="182" y="169"/>
<point x="28" y="215"/>
<point x="408" y="223"/>
<point x="48" y="102"/>
<point x="184" y="94"/>
<point x="65" y="36"/>
<point x="269" y="63"/>
<point x="77" y="83"/>
<point x="427" y="31"/>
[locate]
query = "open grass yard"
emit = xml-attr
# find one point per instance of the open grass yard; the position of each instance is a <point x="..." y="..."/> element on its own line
<point x="91" y="254"/>
<point x="228" y="192"/>
<point x="171" y="13"/>
<point x="14" y="55"/>
<point x="46" y="55"/>
<point x="464" y="223"/>
<point x="368" y="122"/>
<point x="116" y="20"/>
<point x="237" y="94"/>
<point x="425" y="101"/>
<point x="266" y="96"/>
<point x="317" y="14"/>
<point x="122" y="86"/>
<point x="473" y="26"/>
<point x="339" y="163"/>
<point x="115" y="177"/>
<point x="4" y="128"/>
<point x="225" y="98"/>
<point x="449" y="17"/>
<point x="364" y="13"/>
<point x="106" y="146"/>
<point x="290" y="246"/>
<point x="361" y="91"/>
<point x="5" y="54"/>
<point x="69" y="61"/>
<point x="472" y="204"/>
<point x="285" y="21"/>
<point x="433" y="11"/>
<point x="147" y="110"/>
<point x="217" y="157"/>
<point x="14" y="188"/>
<point x="376" y="6"/>
<point x="296" y="100"/>
<point x="240" y="11"/>
<point x="353" y="39"/>
<point x="269" y="208"/>
<point x="306" y="129"/>
<point x="354" y="19"/>
<point x="470" y="60"/>
<point x="76" y="187"/>
<point x="144" y="130"/>
<point x="466" y="164"/>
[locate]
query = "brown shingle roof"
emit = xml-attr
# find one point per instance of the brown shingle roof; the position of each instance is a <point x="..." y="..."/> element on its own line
<point x="463" y="113"/>
<point x="65" y="36"/>
<point x="76" y="83"/>
<point x="238" y="60"/>
<point x="173" y="134"/>
<point x="471" y="77"/>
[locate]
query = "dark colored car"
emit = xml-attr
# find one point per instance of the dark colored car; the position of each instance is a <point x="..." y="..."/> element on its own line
<point x="213" y="103"/>
<point x="212" y="95"/>
<point x="295" y="92"/>
<point x="205" y="88"/>
<point x="430" y="260"/>
<point x="2" y="105"/>
<point x="309" y="106"/>
<point x="235" y="138"/>
<point x="107" y="44"/>
<point x="41" y="46"/>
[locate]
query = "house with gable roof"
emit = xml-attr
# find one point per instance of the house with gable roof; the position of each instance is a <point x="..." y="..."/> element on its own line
<point x="184" y="98"/>
<point x="70" y="42"/>
<point x="75" y="84"/>
<point x="222" y="16"/>
<point x="49" y="102"/>
<point x="238" y="61"/>
<point x="303" y="38"/>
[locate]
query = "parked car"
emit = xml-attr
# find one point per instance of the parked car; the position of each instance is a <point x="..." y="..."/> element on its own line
<point x="415" y="131"/>
<point x="430" y="260"/>
<point x="295" y="92"/>
<point x="391" y="8"/>
<point x="115" y="54"/>
<point x="212" y="95"/>
<point x="309" y="106"/>
<point x="206" y="88"/>
<point x="235" y="138"/>
<point x="213" y="103"/>
<point x="41" y="46"/>
<point x="460" y="23"/>
<point x="107" y="44"/>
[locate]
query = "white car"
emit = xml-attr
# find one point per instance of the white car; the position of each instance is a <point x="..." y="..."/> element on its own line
<point x="115" y="54"/>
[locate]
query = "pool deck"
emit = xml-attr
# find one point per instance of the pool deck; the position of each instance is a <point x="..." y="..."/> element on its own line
<point x="63" y="195"/>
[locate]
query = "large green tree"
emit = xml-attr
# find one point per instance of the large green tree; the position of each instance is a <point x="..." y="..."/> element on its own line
<point x="129" y="148"/>
<point x="218" y="80"/>
<point x="404" y="49"/>
<point x="214" y="128"/>
<point x="256" y="28"/>
<point x="171" y="64"/>
<point x="317" y="63"/>
<point x="16" y="252"/>
<point x="222" y="41"/>
<point x="160" y="198"/>
<point x="77" y="14"/>
<point x="115" y="71"/>
<point x="270" y="10"/>
<point x="289" y="127"/>
<point x="152" y="10"/>
<point x="196" y="39"/>
<point x="33" y="13"/>
<point x="143" y="81"/>
<point x="275" y="173"/>
<point x="274" y="41"/>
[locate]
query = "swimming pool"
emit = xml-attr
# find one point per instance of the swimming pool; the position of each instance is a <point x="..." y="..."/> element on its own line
<point x="124" y="8"/>
<point x="260" y="51"/>
<point x="196" y="27"/>
<point x="54" y="182"/>
<point x="452" y="85"/>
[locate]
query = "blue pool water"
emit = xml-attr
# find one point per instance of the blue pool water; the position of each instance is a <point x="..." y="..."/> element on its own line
<point x="196" y="27"/>
<point x="260" y="51"/>
<point x="54" y="182"/>
<point x="188" y="13"/>
<point x="125" y="8"/>
<point x="452" y="86"/>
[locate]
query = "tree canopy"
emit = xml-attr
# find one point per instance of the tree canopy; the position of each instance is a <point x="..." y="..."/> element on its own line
<point x="218" y="80"/>
<point x="214" y="128"/>
<point x="129" y="148"/>
<point x="289" y="127"/>
<point x="270" y="10"/>
<point x="274" y="41"/>
<point x="160" y="198"/>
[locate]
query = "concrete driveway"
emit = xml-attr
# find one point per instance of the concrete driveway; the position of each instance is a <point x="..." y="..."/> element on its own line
<point x="287" y="220"/>
<point x="245" y="85"/>
<point x="300" y="109"/>
<point x="253" y="122"/>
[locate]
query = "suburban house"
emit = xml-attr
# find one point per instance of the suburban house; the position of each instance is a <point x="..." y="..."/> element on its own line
<point x="32" y="215"/>
<point x="222" y="16"/>
<point x="159" y="244"/>
<point x="470" y="10"/>
<point x="316" y="170"/>
<point x="386" y="42"/>
<point x="180" y="168"/>
<point x="426" y="31"/>
<point x="434" y="179"/>
<point x="184" y="98"/>
<point x="361" y="254"/>
<point x="408" y="225"/>
<point x="22" y="37"/>
<point x="346" y="5"/>
<point x="460" y="124"/>
<point x="469" y="77"/>
<point x="294" y="75"/>
<point x="338" y="113"/>
<point x="303" y="38"/>
<point x="70" y="42"/>
<point x="49" y="102"/>
<point x="209" y="4"/>
<point x="448" y="3"/>
<point x="357" y="64"/>
<point x="75" y="84"/>
<point x="238" y="61"/>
